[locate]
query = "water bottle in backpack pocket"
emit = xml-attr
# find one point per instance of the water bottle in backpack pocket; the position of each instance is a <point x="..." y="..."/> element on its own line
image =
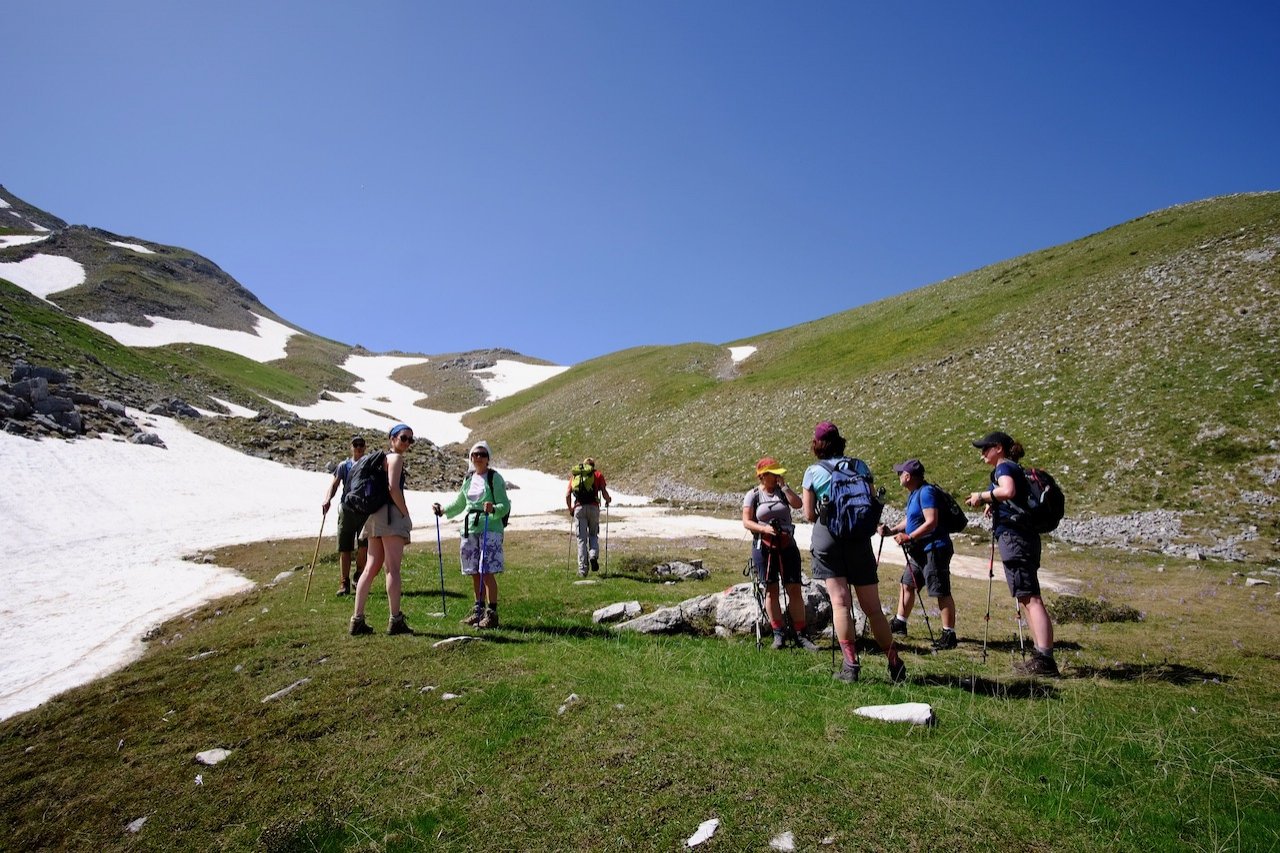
<point x="852" y="506"/>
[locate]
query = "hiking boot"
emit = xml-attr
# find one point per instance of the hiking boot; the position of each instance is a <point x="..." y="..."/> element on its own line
<point x="805" y="643"/>
<point x="595" y="564"/>
<point x="1038" y="664"/>
<point x="948" y="640"/>
<point x="397" y="625"/>
<point x="359" y="626"/>
<point x="898" y="627"/>
<point x="477" y="613"/>
<point x="582" y="573"/>
<point x="779" y="640"/>
<point x="489" y="619"/>
<point x="849" y="672"/>
<point x="345" y="589"/>
<point x="898" y="672"/>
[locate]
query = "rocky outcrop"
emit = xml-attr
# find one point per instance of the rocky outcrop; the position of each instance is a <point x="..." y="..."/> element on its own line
<point x="40" y="402"/>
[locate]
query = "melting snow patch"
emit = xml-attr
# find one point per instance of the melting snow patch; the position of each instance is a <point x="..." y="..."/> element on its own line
<point x="506" y="377"/>
<point x="236" y="411"/>
<point x="266" y="343"/>
<point x="133" y="246"/>
<point x="706" y="829"/>
<point x="21" y="239"/>
<point x="43" y="275"/>
<point x="739" y="353"/>
<point x="916" y="713"/>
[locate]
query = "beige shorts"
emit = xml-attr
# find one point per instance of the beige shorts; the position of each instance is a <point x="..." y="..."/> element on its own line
<point x="380" y="525"/>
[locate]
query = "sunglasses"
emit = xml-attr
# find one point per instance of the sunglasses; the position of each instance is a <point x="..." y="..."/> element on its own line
<point x="408" y="439"/>
<point x="479" y="455"/>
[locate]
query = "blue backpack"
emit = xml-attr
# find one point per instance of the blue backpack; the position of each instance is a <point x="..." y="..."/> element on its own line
<point x="852" y="507"/>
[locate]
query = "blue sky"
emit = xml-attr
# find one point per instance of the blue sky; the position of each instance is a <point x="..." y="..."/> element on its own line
<point x="573" y="178"/>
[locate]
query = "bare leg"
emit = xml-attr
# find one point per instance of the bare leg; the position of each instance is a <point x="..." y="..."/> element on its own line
<point x="393" y="547"/>
<point x="1039" y="621"/>
<point x="371" y="569"/>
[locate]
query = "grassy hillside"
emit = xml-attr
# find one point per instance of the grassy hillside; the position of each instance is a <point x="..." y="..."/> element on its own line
<point x="1139" y="364"/>
<point x="1161" y="735"/>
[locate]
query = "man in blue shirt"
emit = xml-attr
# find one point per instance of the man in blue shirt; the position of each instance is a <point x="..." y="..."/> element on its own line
<point x="349" y="524"/>
<point x="928" y="550"/>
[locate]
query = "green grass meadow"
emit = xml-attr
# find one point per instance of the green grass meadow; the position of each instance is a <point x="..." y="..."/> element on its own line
<point x="1162" y="734"/>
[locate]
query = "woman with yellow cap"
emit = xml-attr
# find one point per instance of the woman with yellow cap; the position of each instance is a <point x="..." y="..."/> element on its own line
<point x="766" y="512"/>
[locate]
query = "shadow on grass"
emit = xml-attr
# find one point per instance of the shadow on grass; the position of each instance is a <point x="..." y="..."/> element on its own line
<point x="1014" y="688"/>
<point x="1169" y="673"/>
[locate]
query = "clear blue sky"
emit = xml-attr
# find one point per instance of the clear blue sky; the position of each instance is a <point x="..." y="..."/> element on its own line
<point x="572" y="178"/>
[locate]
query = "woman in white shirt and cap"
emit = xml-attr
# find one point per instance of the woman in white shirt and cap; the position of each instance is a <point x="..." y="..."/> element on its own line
<point x="484" y="498"/>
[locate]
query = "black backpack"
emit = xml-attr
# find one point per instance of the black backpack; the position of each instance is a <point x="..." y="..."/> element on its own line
<point x="367" y="491"/>
<point x="852" y="507"/>
<point x="1046" y="505"/>
<point x="951" y="518"/>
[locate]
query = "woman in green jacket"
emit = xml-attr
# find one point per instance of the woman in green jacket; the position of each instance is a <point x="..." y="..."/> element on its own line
<point x="484" y="497"/>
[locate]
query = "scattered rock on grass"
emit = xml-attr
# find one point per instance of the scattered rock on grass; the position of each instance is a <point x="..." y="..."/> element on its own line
<point x="705" y="830"/>
<point x="916" y="713"/>
<point x="783" y="841"/>
<point x="453" y="641"/>
<point x="136" y="825"/>
<point x="286" y="691"/>
<point x="571" y="699"/>
<point x="210" y="757"/>
<point x="616" y="612"/>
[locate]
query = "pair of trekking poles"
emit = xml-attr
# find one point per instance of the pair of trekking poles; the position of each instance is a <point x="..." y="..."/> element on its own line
<point x="439" y="553"/>
<point x="1017" y="607"/>
<point x="573" y="541"/>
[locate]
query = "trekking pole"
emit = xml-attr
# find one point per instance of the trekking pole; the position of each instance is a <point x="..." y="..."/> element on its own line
<point x="606" y="540"/>
<point x="991" y="576"/>
<point x="315" y="556"/>
<point x="919" y="594"/>
<point x="440" y="555"/>
<point x="756" y="594"/>
<point x="1017" y="609"/>
<point x="573" y="541"/>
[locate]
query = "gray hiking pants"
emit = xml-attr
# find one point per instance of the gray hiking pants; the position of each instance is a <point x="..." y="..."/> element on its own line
<point x="587" y="517"/>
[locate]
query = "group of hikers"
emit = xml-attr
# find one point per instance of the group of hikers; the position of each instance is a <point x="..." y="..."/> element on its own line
<point x="837" y="496"/>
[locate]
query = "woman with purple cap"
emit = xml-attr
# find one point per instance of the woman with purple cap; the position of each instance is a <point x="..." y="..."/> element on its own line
<point x="845" y="564"/>
<point x="1019" y="545"/>
<point x="766" y="512"/>
<point x="388" y="532"/>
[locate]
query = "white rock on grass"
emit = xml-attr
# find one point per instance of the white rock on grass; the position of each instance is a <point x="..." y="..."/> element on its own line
<point x="136" y="825"/>
<point x="783" y="841"/>
<point x="571" y="699"/>
<point x="916" y="713"/>
<point x="286" y="691"/>
<point x="1256" y="582"/>
<point x="705" y="830"/>
<point x="616" y="612"/>
<point x="444" y="697"/>
<point x="210" y="757"/>
<point x="453" y="641"/>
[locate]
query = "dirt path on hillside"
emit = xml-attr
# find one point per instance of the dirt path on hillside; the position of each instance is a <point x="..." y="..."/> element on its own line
<point x="660" y="522"/>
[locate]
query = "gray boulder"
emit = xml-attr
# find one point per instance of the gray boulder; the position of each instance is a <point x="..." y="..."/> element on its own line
<point x="616" y="612"/>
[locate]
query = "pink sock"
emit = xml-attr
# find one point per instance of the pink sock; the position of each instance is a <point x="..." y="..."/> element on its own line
<point x="850" y="652"/>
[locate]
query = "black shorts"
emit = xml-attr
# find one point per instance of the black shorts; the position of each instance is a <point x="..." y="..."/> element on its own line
<point x="1020" y="553"/>
<point x="788" y="559"/>
<point x="933" y="574"/>
<point x="854" y="560"/>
